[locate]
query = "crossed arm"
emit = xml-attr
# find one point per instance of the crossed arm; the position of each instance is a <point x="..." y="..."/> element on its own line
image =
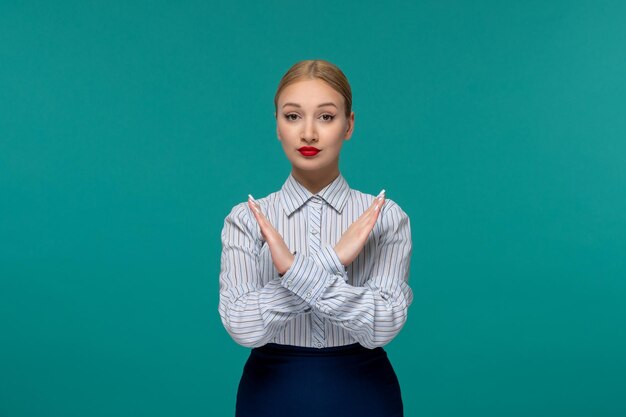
<point x="373" y="314"/>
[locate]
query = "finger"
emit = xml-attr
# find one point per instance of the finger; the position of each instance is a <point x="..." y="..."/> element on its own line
<point x="370" y="209"/>
<point x="371" y="218"/>
<point x="264" y="223"/>
<point x="380" y="203"/>
<point x="375" y="206"/>
<point x="380" y="199"/>
<point x="367" y="214"/>
<point x="255" y="210"/>
<point x="258" y="214"/>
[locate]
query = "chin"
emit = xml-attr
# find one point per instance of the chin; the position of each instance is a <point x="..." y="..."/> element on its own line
<point x="310" y="165"/>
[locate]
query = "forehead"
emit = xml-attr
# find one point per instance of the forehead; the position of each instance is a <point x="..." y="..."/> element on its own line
<point x="310" y="92"/>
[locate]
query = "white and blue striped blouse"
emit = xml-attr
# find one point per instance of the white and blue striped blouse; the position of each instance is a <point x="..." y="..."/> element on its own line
<point x="317" y="302"/>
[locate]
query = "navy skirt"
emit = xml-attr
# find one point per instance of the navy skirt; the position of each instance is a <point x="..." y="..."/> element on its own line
<point x="346" y="381"/>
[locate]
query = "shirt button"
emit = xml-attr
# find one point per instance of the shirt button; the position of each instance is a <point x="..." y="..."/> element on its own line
<point x="289" y="283"/>
<point x="319" y="344"/>
<point x="308" y="294"/>
<point x="315" y="232"/>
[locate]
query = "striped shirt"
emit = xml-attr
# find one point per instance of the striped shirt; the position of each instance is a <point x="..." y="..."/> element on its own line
<point x="317" y="302"/>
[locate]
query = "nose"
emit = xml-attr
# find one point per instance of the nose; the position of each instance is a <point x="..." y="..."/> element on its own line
<point x="309" y="134"/>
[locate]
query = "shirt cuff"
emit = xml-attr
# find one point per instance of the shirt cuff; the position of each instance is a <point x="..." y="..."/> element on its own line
<point x="308" y="279"/>
<point x="328" y="258"/>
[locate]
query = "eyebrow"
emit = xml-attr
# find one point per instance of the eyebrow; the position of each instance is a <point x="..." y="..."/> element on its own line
<point x="321" y="105"/>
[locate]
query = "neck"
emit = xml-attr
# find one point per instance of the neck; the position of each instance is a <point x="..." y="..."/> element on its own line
<point x="315" y="181"/>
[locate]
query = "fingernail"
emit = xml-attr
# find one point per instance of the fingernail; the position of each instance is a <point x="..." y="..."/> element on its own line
<point x="381" y="194"/>
<point x="255" y="203"/>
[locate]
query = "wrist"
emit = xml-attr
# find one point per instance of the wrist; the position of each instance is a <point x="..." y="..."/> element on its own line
<point x="338" y="253"/>
<point x="293" y="257"/>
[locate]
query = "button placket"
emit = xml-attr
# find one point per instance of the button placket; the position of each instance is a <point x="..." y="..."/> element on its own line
<point x="315" y="245"/>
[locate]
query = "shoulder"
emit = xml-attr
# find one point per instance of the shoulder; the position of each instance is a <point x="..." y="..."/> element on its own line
<point x="241" y="217"/>
<point x="393" y="223"/>
<point x="390" y="211"/>
<point x="241" y="211"/>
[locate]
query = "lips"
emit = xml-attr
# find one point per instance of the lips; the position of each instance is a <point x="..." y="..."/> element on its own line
<point x="308" y="150"/>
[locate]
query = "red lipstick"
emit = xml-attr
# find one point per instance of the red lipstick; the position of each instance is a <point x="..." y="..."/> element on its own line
<point x="308" y="150"/>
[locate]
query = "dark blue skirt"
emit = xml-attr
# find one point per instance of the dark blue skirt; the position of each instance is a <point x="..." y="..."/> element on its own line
<point x="347" y="381"/>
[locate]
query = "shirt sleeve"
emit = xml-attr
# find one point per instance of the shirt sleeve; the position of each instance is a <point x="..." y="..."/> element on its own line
<point x="251" y="312"/>
<point x="375" y="312"/>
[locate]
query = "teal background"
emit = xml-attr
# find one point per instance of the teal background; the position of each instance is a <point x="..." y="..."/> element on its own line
<point x="129" y="129"/>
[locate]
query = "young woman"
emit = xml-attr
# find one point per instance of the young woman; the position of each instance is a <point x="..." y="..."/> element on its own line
<point x="314" y="277"/>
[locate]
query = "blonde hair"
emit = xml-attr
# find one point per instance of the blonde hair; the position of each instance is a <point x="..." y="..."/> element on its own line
<point x="317" y="68"/>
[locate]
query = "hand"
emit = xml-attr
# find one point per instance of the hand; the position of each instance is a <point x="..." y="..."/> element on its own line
<point x="354" y="238"/>
<point x="281" y="256"/>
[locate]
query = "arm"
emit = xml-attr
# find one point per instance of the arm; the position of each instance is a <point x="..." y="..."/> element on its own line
<point x="374" y="313"/>
<point x="252" y="313"/>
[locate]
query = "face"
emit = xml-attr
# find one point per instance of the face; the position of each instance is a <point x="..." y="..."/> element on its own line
<point x="311" y="113"/>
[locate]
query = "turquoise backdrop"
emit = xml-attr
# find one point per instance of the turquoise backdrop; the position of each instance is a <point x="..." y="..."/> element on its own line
<point x="128" y="129"/>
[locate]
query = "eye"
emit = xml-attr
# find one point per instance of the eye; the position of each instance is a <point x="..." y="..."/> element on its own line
<point x="288" y="116"/>
<point x="330" y="117"/>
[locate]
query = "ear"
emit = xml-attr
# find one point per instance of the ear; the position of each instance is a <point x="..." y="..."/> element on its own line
<point x="277" y="131"/>
<point x="350" y="127"/>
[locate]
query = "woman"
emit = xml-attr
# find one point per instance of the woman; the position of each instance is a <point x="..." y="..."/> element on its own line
<point x="314" y="277"/>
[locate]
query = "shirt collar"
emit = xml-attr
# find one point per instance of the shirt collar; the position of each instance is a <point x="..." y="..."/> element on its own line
<point x="294" y="194"/>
